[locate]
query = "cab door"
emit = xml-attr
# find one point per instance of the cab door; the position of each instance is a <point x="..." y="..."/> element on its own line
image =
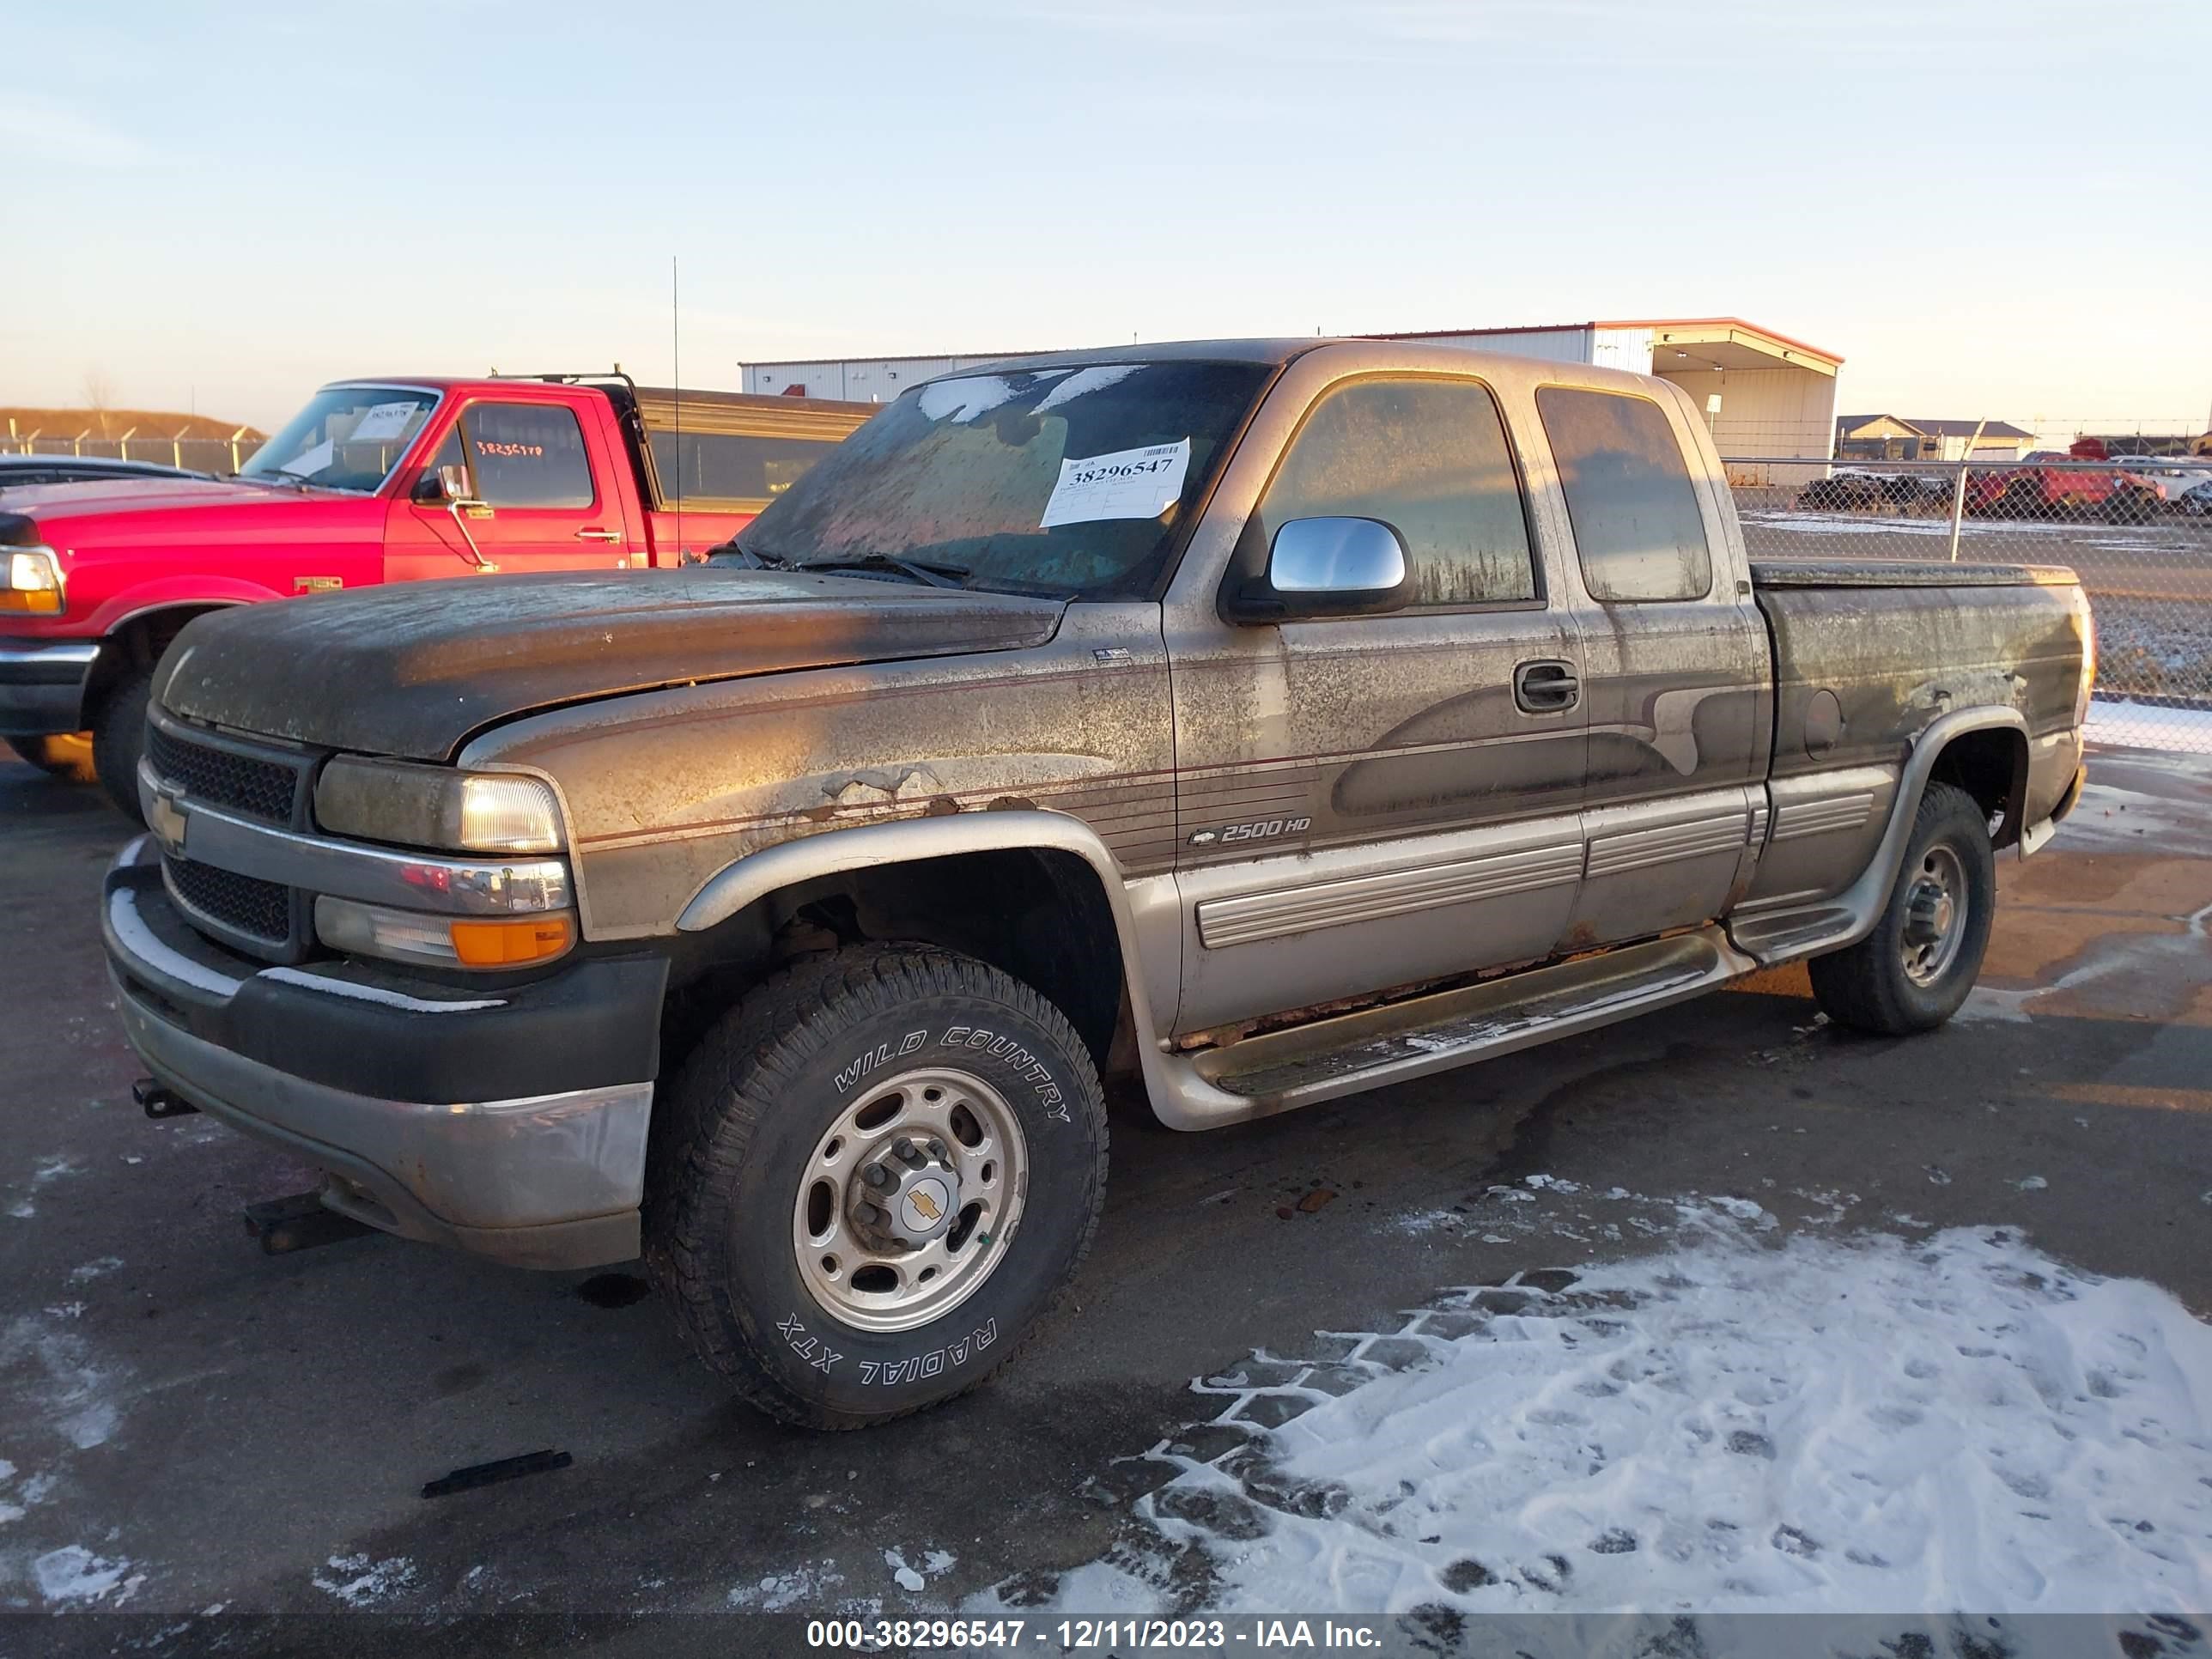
<point x="1678" y="670"/>
<point x="543" y="506"/>
<point x="1368" y="801"/>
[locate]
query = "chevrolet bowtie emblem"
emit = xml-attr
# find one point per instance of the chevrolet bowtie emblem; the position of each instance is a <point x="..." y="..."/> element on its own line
<point x="168" y="822"/>
<point x="927" y="1205"/>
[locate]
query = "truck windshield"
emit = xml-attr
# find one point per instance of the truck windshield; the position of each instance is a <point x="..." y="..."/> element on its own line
<point x="1064" y="481"/>
<point x="348" y="437"/>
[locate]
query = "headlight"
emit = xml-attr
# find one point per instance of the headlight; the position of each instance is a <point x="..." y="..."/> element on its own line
<point x="34" y="583"/>
<point x="435" y="806"/>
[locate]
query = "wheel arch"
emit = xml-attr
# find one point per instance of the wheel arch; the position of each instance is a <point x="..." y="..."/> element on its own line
<point x="1991" y="763"/>
<point x="1994" y="755"/>
<point x="1036" y="894"/>
<point x="137" y="640"/>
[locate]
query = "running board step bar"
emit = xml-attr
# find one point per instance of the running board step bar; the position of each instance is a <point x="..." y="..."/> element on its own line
<point x="1401" y="1041"/>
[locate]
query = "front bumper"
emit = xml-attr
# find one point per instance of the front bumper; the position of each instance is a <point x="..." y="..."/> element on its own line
<point x="510" y="1122"/>
<point x="42" y="685"/>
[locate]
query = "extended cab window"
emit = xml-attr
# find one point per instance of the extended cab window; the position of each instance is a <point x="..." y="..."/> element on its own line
<point x="1638" y="529"/>
<point x="527" y="455"/>
<point x="1429" y="458"/>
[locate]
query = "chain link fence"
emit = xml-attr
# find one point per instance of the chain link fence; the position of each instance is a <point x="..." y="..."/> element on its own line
<point x="2139" y="535"/>
<point x="197" y="454"/>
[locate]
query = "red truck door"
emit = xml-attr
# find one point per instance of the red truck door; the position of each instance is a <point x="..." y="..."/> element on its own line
<point x="555" y="497"/>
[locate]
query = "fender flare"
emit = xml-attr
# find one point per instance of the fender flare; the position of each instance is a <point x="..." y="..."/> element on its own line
<point x="1859" y="907"/>
<point x="910" y="840"/>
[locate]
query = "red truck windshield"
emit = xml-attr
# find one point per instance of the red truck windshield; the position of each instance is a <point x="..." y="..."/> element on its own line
<point x="1065" y="481"/>
<point x="348" y="437"/>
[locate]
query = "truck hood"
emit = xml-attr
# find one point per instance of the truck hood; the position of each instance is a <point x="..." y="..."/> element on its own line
<point x="415" y="670"/>
<point x="179" y="514"/>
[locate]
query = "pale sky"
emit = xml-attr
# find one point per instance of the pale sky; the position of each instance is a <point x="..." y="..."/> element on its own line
<point x="1999" y="210"/>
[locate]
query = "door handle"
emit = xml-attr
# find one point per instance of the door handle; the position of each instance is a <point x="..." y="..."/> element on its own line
<point x="1546" y="687"/>
<point x="594" y="534"/>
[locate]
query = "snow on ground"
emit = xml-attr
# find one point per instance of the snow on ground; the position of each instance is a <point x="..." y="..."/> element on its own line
<point x="1740" y="1422"/>
<point x="804" y="1586"/>
<point x="75" y="1574"/>
<point x="2131" y="724"/>
<point x="359" y="1582"/>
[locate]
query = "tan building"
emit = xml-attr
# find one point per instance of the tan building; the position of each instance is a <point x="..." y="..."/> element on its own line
<point x="1892" y="438"/>
<point x="1764" y="393"/>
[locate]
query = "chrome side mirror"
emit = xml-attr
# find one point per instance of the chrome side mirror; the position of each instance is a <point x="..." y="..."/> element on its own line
<point x="447" y="486"/>
<point x="1327" y="567"/>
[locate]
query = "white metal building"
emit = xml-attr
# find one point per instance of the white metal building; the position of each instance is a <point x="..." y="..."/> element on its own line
<point x="1764" y="393"/>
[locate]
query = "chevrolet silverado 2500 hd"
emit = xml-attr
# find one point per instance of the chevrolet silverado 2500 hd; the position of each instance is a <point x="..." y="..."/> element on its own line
<point x="1267" y="721"/>
<point x="374" y="481"/>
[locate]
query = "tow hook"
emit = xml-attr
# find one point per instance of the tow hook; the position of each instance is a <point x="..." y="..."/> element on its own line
<point x="158" y="1102"/>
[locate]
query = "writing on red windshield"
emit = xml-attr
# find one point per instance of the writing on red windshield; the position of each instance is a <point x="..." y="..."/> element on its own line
<point x="485" y="448"/>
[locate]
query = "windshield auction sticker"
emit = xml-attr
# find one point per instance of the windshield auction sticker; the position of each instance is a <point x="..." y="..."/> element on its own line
<point x="1128" y="484"/>
<point x="383" y="422"/>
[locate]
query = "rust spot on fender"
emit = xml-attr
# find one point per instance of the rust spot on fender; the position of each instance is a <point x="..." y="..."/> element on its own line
<point x="940" y="806"/>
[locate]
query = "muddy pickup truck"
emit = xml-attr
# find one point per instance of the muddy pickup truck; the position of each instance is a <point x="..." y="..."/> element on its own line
<point x="1262" y="722"/>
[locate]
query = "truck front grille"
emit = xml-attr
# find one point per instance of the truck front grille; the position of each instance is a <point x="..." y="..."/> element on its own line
<point x="266" y="789"/>
<point x="261" y="911"/>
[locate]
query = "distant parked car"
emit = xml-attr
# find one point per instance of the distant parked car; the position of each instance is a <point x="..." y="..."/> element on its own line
<point x="2063" y="488"/>
<point x="1849" y="490"/>
<point x="17" y="469"/>
<point x="2172" y="476"/>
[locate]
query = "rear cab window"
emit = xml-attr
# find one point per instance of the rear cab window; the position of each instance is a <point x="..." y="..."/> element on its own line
<point x="1631" y="502"/>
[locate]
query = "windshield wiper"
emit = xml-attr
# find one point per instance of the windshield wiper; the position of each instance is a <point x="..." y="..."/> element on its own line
<point x="932" y="573"/>
<point x="745" y="558"/>
<point x="271" y="475"/>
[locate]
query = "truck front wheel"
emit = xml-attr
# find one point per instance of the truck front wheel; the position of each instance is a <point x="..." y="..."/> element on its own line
<point x="879" y="1171"/>
<point x="1912" y="973"/>
<point x="118" y="738"/>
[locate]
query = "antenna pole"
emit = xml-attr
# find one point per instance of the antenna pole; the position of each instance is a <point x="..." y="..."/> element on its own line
<point x="676" y="356"/>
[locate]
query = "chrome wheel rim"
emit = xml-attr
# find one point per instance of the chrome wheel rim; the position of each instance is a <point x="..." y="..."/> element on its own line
<point x="1935" y="916"/>
<point x="909" y="1201"/>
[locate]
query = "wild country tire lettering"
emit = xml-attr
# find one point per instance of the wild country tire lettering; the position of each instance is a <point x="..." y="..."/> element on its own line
<point x="1031" y="1070"/>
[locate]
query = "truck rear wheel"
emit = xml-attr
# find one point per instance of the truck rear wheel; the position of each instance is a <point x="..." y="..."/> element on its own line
<point x="118" y="738"/>
<point x="880" y="1171"/>
<point x="1912" y="973"/>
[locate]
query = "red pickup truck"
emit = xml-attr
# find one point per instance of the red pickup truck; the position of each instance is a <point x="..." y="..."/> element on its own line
<point x="2076" y="486"/>
<point x="374" y="481"/>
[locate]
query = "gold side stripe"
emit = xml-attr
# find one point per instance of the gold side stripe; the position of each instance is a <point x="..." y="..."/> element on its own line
<point x="1639" y="849"/>
<point x="1821" y="817"/>
<point x="1255" y="916"/>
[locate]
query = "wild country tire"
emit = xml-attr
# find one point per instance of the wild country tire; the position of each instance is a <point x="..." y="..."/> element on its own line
<point x="118" y="738"/>
<point x="749" y="1111"/>
<point x="1869" y="985"/>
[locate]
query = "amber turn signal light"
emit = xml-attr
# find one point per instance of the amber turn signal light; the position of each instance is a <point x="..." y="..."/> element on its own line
<point x="512" y="942"/>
